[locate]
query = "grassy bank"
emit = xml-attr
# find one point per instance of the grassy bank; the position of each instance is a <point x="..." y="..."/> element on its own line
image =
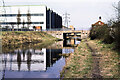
<point x="78" y="65"/>
<point x="20" y="37"/>
<point x="82" y="63"/>
<point x="110" y="60"/>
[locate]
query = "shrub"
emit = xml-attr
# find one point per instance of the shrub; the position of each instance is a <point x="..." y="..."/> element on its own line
<point x="116" y="28"/>
<point x="101" y="32"/>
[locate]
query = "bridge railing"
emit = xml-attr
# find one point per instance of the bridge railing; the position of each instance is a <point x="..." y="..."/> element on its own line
<point x="57" y="29"/>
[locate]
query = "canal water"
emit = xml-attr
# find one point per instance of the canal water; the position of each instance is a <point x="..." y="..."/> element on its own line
<point x="35" y="60"/>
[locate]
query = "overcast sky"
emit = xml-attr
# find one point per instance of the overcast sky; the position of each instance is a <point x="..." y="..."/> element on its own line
<point x="83" y="13"/>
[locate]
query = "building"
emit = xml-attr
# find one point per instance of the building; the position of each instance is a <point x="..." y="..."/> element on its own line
<point x="53" y="20"/>
<point x="71" y="27"/>
<point x="98" y="23"/>
<point x="30" y="17"/>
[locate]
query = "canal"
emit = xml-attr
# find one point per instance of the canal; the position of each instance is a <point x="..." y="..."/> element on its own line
<point x="35" y="60"/>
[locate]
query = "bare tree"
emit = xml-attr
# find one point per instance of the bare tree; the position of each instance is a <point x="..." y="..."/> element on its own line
<point x="115" y="25"/>
<point x="28" y="19"/>
<point x="23" y="24"/>
<point x="12" y="26"/>
<point x="18" y="19"/>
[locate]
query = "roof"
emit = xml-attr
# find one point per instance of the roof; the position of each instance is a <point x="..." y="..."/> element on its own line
<point x="99" y="23"/>
<point x="22" y="5"/>
<point x="71" y="26"/>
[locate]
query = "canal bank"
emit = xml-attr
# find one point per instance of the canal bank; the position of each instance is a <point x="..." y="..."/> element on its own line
<point x="92" y="59"/>
<point x="78" y="64"/>
<point x="36" y="60"/>
<point x="22" y="37"/>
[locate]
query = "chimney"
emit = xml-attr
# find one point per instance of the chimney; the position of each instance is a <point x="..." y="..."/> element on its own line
<point x="100" y="18"/>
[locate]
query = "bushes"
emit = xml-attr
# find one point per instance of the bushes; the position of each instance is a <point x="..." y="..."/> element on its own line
<point x="116" y="28"/>
<point x="97" y="32"/>
<point x="101" y="32"/>
<point x="106" y="34"/>
<point x="108" y="39"/>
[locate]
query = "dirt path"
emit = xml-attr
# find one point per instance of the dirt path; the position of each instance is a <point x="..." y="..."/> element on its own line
<point x="95" y="59"/>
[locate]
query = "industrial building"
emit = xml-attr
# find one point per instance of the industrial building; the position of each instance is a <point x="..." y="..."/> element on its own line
<point x="33" y="17"/>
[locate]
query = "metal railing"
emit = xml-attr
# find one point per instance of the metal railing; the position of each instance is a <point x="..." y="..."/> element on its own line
<point x="55" y="29"/>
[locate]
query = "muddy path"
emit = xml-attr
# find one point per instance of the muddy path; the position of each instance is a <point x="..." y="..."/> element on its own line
<point x="96" y="72"/>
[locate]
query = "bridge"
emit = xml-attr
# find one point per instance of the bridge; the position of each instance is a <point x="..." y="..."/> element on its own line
<point x="80" y="34"/>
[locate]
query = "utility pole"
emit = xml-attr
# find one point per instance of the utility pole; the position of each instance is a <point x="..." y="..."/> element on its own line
<point x="66" y="19"/>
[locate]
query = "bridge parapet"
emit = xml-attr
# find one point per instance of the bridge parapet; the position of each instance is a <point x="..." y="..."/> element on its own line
<point x="59" y="34"/>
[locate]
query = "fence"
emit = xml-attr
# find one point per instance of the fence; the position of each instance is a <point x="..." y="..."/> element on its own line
<point x="55" y="29"/>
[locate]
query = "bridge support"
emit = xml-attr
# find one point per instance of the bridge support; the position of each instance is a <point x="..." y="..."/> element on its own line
<point x="64" y="35"/>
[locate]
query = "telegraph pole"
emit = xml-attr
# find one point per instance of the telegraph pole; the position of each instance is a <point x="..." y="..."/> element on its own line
<point x="66" y="19"/>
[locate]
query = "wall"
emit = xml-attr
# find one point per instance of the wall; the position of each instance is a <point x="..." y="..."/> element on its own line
<point x="62" y="34"/>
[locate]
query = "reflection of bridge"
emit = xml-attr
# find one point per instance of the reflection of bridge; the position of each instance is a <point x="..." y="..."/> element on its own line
<point x="69" y="34"/>
<point x="65" y="44"/>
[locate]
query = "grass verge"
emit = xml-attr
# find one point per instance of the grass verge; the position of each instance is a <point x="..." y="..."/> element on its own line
<point x="79" y="63"/>
<point x="19" y="37"/>
<point x="110" y="60"/>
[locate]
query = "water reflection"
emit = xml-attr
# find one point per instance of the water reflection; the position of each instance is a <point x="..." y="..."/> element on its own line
<point x="31" y="59"/>
<point x="18" y="60"/>
<point x="70" y="42"/>
<point x="38" y="59"/>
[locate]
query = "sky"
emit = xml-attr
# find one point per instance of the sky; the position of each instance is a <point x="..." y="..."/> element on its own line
<point x="83" y="13"/>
